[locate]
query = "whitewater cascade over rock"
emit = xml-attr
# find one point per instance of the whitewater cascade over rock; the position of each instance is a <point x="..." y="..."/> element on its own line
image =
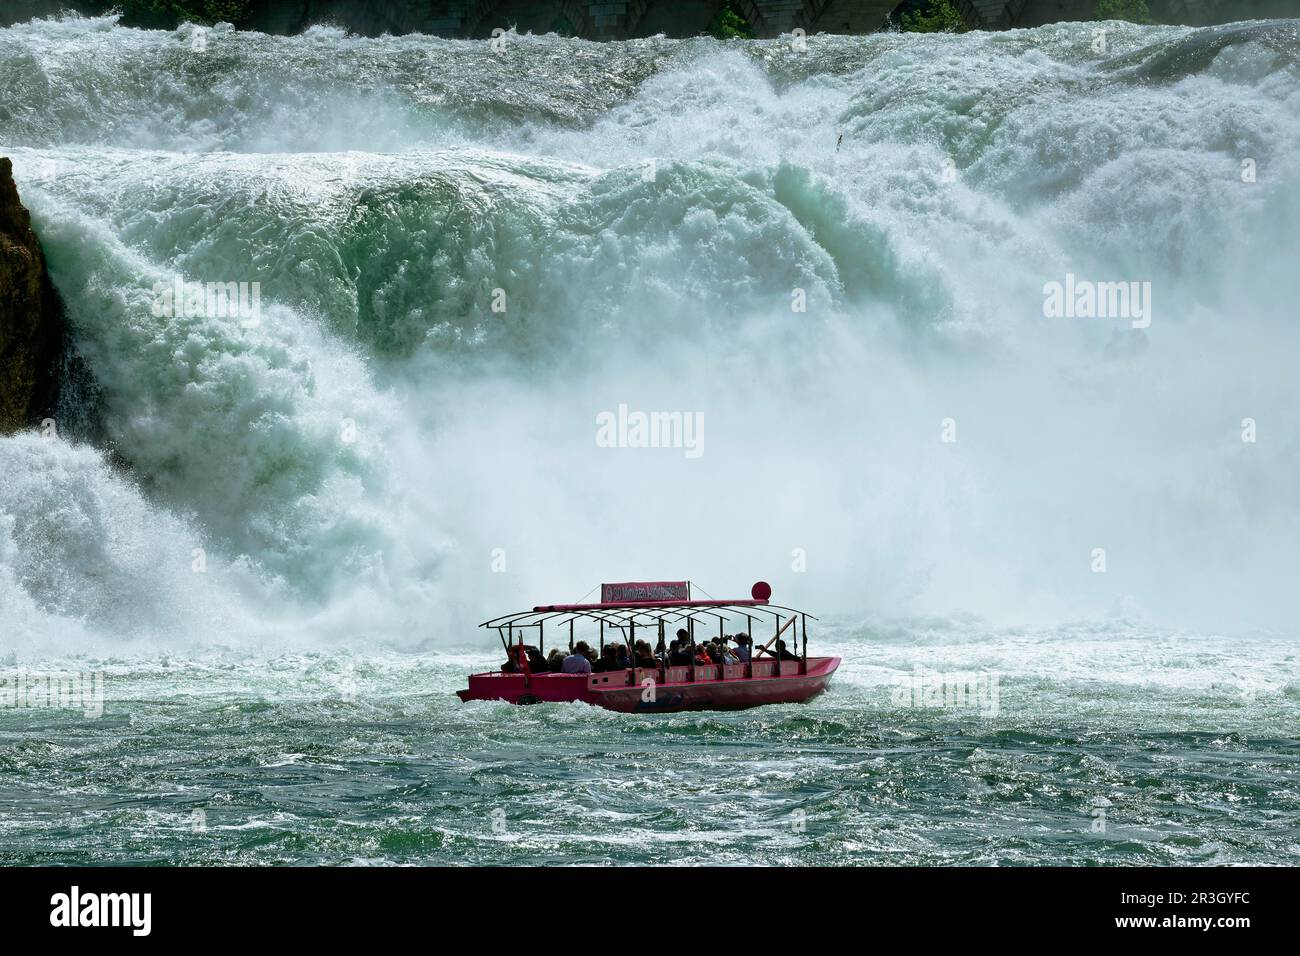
<point x="465" y="256"/>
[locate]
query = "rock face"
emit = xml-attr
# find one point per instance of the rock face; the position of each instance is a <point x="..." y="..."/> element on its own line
<point x="31" y="319"/>
<point x="612" y="19"/>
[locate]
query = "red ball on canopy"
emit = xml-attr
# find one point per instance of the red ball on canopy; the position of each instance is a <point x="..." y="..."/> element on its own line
<point x="761" y="591"/>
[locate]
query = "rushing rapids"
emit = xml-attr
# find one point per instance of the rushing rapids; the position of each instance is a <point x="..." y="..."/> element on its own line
<point x="460" y="250"/>
<point x="1049" y="526"/>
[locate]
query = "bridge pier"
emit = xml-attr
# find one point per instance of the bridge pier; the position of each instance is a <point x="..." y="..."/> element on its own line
<point x="771" y="18"/>
<point x="991" y="14"/>
<point x="452" y="18"/>
<point x="613" y="19"/>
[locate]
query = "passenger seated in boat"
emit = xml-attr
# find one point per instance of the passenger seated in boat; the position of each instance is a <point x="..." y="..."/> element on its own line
<point x="536" y="662"/>
<point x="726" y="656"/>
<point x="781" y="652"/>
<point x="702" y="658"/>
<point x="577" y="662"/>
<point x="609" y="660"/>
<point x="679" y="654"/>
<point x="555" y="660"/>
<point x="744" y="647"/>
<point x="644" y="656"/>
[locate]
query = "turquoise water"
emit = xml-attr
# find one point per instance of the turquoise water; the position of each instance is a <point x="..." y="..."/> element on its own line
<point x="338" y="759"/>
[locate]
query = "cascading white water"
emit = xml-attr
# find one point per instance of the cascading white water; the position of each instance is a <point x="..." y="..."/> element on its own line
<point x="363" y="464"/>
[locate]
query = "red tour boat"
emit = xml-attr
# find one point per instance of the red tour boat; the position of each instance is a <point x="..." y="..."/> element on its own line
<point x="774" y="675"/>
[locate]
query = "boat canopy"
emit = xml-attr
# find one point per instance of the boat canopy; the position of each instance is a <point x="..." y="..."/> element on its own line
<point x="628" y="616"/>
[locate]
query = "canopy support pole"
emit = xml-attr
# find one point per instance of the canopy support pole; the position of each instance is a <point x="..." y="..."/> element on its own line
<point x="779" y="632"/>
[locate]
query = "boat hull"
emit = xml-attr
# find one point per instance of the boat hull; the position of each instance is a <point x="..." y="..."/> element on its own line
<point x="736" y="687"/>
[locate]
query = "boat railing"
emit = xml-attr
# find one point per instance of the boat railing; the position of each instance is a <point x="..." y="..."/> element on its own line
<point x="688" y="674"/>
<point x="681" y="674"/>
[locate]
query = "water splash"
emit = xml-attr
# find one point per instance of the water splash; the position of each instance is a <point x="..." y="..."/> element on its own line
<point x="649" y="211"/>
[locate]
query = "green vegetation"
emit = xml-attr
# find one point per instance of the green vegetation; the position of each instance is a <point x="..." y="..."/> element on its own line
<point x="730" y="25"/>
<point x="167" y="14"/>
<point x="934" y="16"/>
<point x="1134" y="11"/>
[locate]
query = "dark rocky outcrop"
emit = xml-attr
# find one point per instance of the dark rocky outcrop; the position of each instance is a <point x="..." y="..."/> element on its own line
<point x="31" y="319"/>
<point x="20" y="11"/>
<point x="615" y="19"/>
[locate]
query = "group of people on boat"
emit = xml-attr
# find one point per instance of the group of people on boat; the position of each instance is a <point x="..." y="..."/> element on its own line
<point x="682" y="651"/>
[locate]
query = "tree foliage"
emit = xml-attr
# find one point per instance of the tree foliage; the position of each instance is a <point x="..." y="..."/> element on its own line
<point x="1134" y="11"/>
<point x="730" y="25"/>
<point x="936" y="16"/>
<point x="167" y="14"/>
